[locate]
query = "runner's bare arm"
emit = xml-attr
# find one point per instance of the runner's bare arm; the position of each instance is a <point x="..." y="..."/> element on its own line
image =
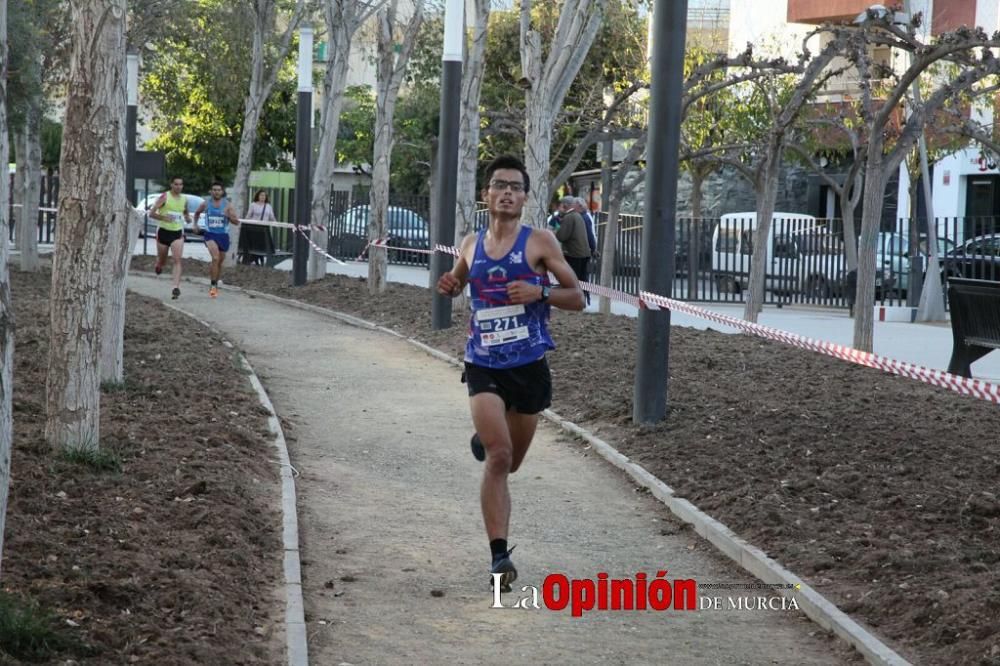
<point x="568" y="295"/>
<point x="154" y="212"/>
<point x="231" y="214"/>
<point x="453" y="282"/>
<point x="197" y="214"/>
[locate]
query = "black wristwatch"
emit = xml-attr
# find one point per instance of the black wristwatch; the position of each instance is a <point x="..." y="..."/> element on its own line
<point x="545" y="294"/>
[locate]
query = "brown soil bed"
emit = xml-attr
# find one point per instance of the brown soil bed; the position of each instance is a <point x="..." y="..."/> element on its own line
<point x="176" y="557"/>
<point x="878" y="490"/>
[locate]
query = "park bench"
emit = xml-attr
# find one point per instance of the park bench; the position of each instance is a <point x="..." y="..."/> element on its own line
<point x="975" y="322"/>
<point x="257" y="247"/>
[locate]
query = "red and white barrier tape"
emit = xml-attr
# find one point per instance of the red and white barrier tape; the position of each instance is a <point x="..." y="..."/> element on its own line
<point x="384" y="244"/>
<point x="262" y="223"/>
<point x="963" y="385"/>
<point x="315" y="247"/>
<point x="613" y="294"/>
<point x="280" y="225"/>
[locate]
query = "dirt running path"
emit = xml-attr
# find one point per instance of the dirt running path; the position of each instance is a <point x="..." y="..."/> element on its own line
<point x="394" y="555"/>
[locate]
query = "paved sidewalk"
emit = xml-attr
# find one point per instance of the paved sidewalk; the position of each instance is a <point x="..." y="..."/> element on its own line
<point x="394" y="556"/>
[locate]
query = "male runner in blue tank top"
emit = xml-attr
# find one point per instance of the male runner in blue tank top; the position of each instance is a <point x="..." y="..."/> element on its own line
<point x="218" y="214"/>
<point x="507" y="268"/>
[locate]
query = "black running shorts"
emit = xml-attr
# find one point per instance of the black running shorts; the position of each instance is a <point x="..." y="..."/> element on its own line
<point x="527" y="389"/>
<point x="167" y="237"/>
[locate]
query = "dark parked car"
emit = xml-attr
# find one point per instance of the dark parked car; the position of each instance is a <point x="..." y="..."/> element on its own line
<point x="405" y="229"/>
<point x="977" y="258"/>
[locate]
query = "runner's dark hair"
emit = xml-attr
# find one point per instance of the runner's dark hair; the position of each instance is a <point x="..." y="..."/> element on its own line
<point x="507" y="162"/>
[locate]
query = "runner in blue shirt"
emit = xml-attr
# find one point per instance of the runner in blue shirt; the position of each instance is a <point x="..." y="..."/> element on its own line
<point x="218" y="214"/>
<point x="507" y="268"/>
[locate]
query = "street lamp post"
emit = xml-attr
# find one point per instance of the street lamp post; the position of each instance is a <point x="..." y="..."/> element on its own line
<point x="658" y="232"/>
<point x="303" y="157"/>
<point x="931" y="305"/>
<point x="447" y="180"/>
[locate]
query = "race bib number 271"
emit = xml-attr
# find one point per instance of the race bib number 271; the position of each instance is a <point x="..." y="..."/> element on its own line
<point x="500" y="325"/>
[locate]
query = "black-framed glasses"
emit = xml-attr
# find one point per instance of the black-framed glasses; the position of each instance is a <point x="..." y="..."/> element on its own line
<point x="501" y="185"/>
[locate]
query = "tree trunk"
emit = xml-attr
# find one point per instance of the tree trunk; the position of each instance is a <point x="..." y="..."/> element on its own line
<point x="850" y="236"/>
<point x="341" y="23"/>
<point x="913" y="227"/>
<point x="697" y="183"/>
<point x="871" y="215"/>
<point x="767" y="194"/>
<point x="262" y="79"/>
<point x="17" y="193"/>
<point x="537" y="149"/>
<point x="390" y="68"/>
<point x="608" y="250"/>
<point x="121" y="239"/>
<point x="6" y="310"/>
<point x="913" y="178"/>
<point x="91" y="201"/>
<point x="18" y="136"/>
<point x="848" y="204"/>
<point x="378" y="204"/>
<point x="547" y="83"/>
<point x="468" y="132"/>
<point x="27" y="231"/>
<point x="244" y="163"/>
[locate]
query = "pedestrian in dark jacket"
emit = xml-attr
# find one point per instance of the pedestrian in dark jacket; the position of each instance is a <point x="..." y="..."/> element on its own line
<point x="572" y="234"/>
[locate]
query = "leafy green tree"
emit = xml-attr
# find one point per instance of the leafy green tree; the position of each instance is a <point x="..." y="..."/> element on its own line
<point x="51" y="143"/>
<point x="614" y="64"/>
<point x="37" y="62"/>
<point x="355" y="136"/>
<point x="195" y="80"/>
<point x="416" y="122"/>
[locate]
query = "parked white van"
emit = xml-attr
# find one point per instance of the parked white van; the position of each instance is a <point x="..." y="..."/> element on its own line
<point x="802" y="256"/>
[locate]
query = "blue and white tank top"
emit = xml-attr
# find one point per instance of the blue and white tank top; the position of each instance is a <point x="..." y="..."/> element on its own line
<point x="216" y="221"/>
<point x="503" y="335"/>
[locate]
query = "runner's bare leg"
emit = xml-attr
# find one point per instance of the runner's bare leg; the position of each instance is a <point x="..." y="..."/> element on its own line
<point x="216" y="267"/>
<point x="489" y="419"/>
<point x="177" y="250"/>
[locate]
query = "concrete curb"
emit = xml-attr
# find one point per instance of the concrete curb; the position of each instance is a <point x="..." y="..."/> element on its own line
<point x="751" y="559"/>
<point x="295" y="624"/>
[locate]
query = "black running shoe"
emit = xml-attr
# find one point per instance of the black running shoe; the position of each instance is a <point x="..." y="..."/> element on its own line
<point x="175" y="294"/>
<point x="503" y="566"/>
<point x="478" y="451"/>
